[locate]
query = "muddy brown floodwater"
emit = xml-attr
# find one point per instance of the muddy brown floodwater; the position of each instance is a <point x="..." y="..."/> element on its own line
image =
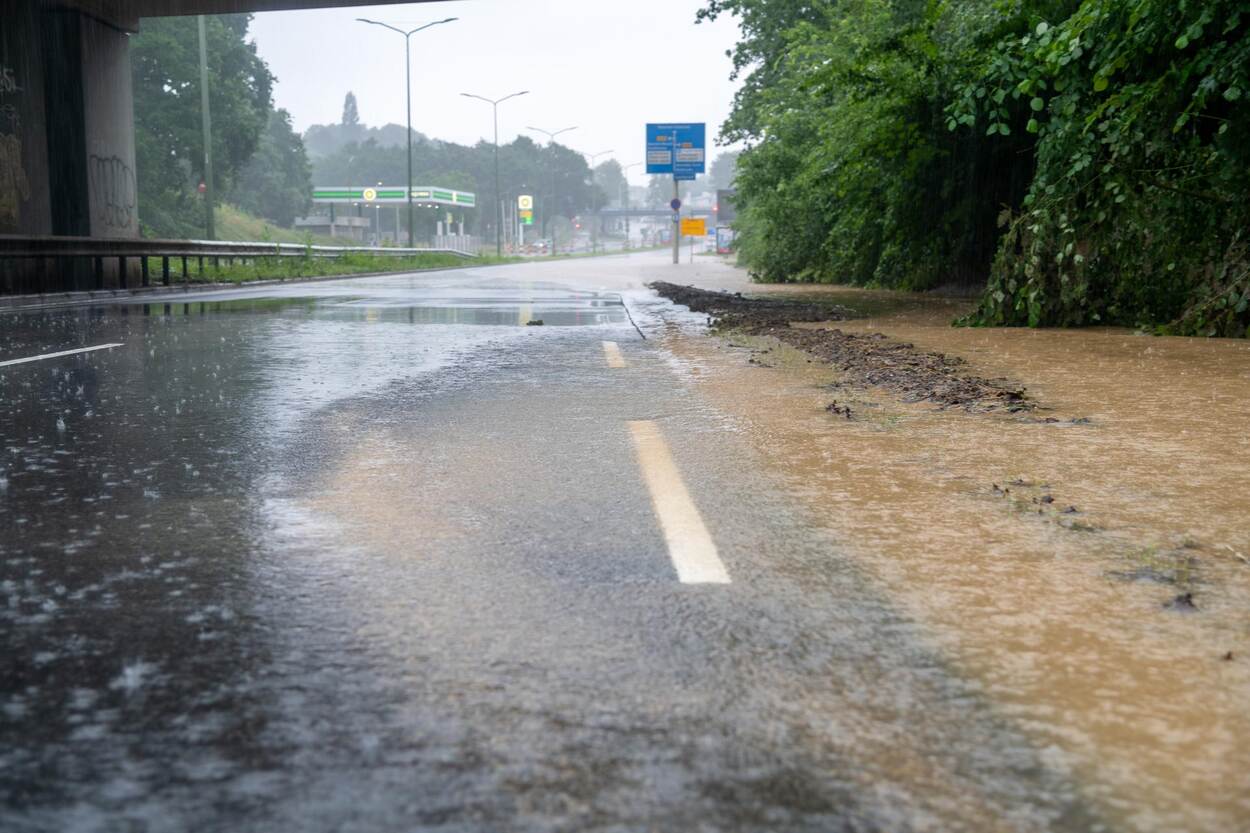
<point x="1088" y="562"/>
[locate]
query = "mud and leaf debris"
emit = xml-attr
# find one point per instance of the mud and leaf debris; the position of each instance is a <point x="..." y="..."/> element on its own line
<point x="869" y="360"/>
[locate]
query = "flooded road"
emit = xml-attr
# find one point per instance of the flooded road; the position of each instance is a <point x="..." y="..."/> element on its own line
<point x="1088" y="561"/>
<point x="381" y="554"/>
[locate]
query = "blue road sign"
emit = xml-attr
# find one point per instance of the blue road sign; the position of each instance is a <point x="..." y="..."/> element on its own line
<point x="675" y="204"/>
<point x="677" y="149"/>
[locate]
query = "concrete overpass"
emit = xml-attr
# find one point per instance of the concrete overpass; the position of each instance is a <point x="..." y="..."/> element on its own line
<point x="608" y="213"/>
<point x="67" y="146"/>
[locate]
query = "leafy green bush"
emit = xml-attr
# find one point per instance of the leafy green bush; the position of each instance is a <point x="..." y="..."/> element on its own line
<point x="1137" y="210"/>
<point x="851" y="174"/>
<point x="1088" y="159"/>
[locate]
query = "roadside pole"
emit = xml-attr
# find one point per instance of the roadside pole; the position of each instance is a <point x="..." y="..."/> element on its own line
<point x="676" y="222"/>
<point x="206" y="126"/>
<point x="680" y="151"/>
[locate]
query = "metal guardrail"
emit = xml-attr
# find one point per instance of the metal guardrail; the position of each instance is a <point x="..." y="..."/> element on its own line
<point x="97" y="250"/>
<point x="48" y="246"/>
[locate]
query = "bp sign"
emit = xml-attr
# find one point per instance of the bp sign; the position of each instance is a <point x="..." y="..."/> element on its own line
<point x="393" y="194"/>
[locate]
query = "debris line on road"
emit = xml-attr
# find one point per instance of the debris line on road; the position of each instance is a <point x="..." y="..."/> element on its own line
<point x="869" y="360"/>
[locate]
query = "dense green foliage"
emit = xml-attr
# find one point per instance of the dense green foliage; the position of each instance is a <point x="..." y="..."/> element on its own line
<point x="168" y="137"/>
<point x="276" y="183"/>
<point x="1088" y="158"/>
<point x="287" y="268"/>
<point x="610" y="178"/>
<point x="724" y="170"/>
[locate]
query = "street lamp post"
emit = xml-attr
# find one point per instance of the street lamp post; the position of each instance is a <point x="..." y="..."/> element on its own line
<point x="548" y="212"/>
<point x="377" y="222"/>
<point x="594" y="237"/>
<point x="494" y="104"/>
<point x="408" y="87"/>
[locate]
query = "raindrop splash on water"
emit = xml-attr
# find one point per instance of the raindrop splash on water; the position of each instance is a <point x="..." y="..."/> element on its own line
<point x="132" y="676"/>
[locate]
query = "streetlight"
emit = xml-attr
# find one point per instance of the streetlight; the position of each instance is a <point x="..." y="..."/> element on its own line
<point x="494" y="104"/>
<point x="594" y="156"/>
<point x="594" y="236"/>
<point x="377" y="221"/>
<point x="408" y="87"/>
<point x="551" y="141"/>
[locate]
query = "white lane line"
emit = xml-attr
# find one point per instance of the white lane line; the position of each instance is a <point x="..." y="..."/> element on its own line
<point x="58" y="355"/>
<point x="612" y="352"/>
<point x="689" y="544"/>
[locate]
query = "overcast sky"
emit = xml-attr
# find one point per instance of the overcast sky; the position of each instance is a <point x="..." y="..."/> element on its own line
<point x="607" y="66"/>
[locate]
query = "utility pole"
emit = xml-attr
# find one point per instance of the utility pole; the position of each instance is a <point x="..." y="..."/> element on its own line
<point x="676" y="217"/>
<point x="206" y="124"/>
<point x="408" y="88"/>
<point x="377" y="222"/>
<point x="494" y="103"/>
<point x="549" y="214"/>
<point x="677" y="207"/>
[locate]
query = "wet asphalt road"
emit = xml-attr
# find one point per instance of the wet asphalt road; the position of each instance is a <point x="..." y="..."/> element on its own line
<point x="374" y="555"/>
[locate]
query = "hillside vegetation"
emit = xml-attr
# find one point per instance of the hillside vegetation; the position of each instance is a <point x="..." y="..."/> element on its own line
<point x="1088" y="162"/>
<point x="236" y="224"/>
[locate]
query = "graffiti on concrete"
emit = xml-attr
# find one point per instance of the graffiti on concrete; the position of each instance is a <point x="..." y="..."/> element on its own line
<point x="112" y="190"/>
<point x="14" y="184"/>
<point x="8" y="81"/>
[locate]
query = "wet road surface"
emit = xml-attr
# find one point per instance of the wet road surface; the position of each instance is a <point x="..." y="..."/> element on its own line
<point x="376" y="555"/>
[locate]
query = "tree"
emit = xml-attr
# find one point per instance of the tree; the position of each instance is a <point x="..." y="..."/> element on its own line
<point x="1090" y="159"/>
<point x="849" y="173"/>
<point x="1139" y="202"/>
<point x="724" y="169"/>
<point x="351" y="116"/>
<point x="325" y="139"/>
<point x="168" y="140"/>
<point x="277" y="182"/>
<point x="659" y="191"/>
<point x="610" y="179"/>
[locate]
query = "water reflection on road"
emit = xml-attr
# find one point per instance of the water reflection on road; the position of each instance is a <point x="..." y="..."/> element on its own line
<point x="136" y="495"/>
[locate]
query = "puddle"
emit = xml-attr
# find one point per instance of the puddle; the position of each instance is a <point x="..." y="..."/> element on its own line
<point x="498" y="310"/>
<point x="487" y="302"/>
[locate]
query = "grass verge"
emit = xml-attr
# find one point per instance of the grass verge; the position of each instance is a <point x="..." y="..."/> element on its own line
<point x="284" y="268"/>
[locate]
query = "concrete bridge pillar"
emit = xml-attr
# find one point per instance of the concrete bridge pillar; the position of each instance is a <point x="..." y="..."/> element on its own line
<point x="67" y="146"/>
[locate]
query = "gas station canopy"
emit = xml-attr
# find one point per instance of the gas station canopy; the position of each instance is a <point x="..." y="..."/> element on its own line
<point x="422" y="195"/>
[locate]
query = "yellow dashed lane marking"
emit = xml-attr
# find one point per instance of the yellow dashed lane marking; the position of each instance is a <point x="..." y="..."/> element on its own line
<point x="612" y="352"/>
<point x="689" y="545"/>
